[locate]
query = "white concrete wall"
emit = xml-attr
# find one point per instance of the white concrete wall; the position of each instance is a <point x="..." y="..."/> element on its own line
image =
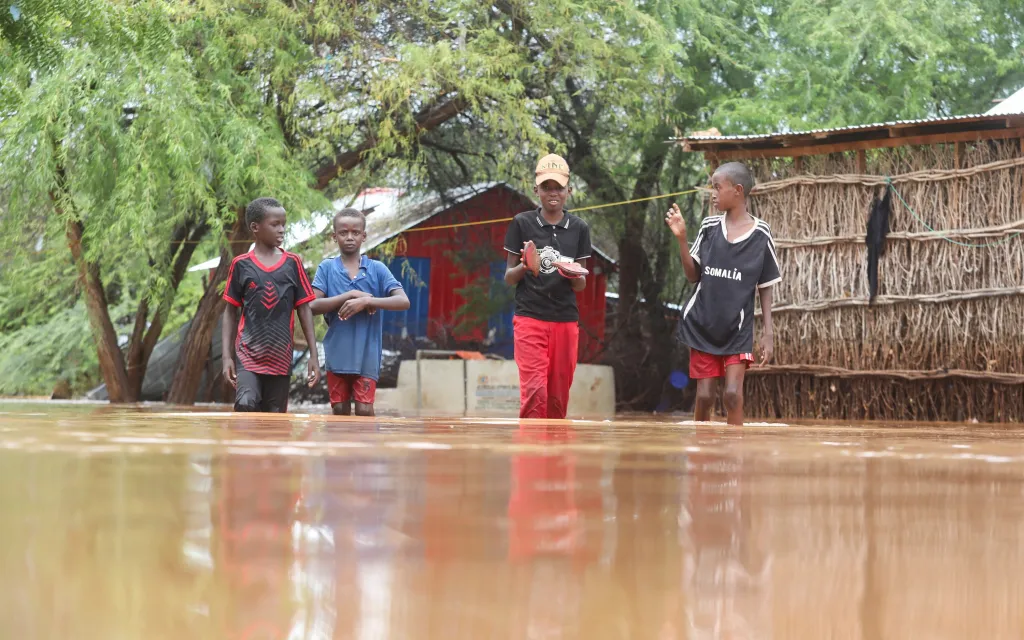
<point x="489" y="388"/>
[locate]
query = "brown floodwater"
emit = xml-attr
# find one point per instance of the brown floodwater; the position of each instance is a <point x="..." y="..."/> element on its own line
<point x="154" y="523"/>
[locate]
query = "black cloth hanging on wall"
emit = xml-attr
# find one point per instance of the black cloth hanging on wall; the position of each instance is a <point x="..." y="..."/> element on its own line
<point x="878" y="229"/>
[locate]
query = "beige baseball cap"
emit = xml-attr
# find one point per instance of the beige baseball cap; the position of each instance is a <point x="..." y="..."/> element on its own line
<point x="552" y="167"/>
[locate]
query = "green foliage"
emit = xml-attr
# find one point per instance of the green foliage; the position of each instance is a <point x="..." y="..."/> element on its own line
<point x="35" y="358"/>
<point x="840" y="62"/>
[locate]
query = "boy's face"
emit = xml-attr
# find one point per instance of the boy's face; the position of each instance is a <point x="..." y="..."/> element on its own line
<point x="270" y="230"/>
<point x="552" y="196"/>
<point x="349" y="233"/>
<point x="725" y="195"/>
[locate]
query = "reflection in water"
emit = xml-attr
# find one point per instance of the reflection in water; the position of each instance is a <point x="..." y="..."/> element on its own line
<point x="255" y="502"/>
<point x="724" y="570"/>
<point x="122" y="524"/>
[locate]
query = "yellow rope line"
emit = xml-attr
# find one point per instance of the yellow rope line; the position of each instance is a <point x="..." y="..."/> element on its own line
<point x="575" y="210"/>
<point x="616" y="204"/>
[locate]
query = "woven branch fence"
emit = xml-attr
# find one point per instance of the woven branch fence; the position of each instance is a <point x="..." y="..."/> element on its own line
<point x="941" y="307"/>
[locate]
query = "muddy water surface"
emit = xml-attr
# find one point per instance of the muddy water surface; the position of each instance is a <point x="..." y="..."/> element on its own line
<point x="157" y="524"/>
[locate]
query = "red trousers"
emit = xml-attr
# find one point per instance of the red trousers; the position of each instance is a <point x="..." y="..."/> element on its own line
<point x="546" y="355"/>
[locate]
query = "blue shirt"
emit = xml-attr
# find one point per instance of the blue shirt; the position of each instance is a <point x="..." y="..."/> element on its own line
<point x="353" y="346"/>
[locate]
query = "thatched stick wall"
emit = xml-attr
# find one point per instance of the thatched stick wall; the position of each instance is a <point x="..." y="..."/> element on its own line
<point x="945" y="338"/>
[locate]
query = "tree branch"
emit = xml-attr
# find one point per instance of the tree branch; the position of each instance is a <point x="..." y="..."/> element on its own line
<point x="427" y="119"/>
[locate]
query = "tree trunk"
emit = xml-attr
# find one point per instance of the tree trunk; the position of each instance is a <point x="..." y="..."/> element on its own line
<point x="195" y="347"/>
<point x="112" y="367"/>
<point x="633" y="259"/>
<point x="185" y="241"/>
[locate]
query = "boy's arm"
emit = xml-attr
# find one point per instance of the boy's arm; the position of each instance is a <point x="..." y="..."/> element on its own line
<point x="689" y="265"/>
<point x="675" y="222"/>
<point x="395" y="301"/>
<point x="515" y="270"/>
<point x="583" y="252"/>
<point x="767" y="330"/>
<point x="580" y="283"/>
<point x="229" y="324"/>
<point x="323" y="304"/>
<point x="306" y="321"/>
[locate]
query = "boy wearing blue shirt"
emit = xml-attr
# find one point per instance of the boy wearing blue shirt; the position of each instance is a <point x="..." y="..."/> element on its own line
<point x="349" y="290"/>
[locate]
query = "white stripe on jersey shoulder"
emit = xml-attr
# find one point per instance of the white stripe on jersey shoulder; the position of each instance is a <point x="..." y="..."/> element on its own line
<point x="767" y="232"/>
<point x="770" y="244"/>
<point x="710" y="220"/>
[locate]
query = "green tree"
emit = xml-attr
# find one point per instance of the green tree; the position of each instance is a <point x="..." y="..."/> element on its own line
<point x="112" y="143"/>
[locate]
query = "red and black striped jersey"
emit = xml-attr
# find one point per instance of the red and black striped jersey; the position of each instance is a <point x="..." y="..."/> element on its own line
<point x="268" y="297"/>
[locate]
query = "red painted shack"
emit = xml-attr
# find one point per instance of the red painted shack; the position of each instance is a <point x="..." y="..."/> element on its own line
<point x="448" y="253"/>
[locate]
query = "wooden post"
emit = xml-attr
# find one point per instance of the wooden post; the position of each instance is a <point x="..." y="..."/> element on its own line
<point x="798" y="165"/>
<point x="958" y="155"/>
<point x="862" y="161"/>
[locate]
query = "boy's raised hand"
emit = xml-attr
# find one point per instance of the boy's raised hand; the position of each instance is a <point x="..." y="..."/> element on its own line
<point x="675" y="222"/>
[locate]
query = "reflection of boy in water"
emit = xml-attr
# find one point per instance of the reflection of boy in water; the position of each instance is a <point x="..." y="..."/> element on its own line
<point x="543" y="515"/>
<point x="256" y="500"/>
<point x="357" y="504"/>
<point x="551" y="506"/>
<point x="726" y="593"/>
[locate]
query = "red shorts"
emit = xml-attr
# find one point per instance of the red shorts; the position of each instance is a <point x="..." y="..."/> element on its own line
<point x="343" y="386"/>
<point x="706" y="365"/>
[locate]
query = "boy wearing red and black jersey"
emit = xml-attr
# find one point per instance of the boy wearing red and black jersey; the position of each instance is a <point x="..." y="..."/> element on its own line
<point x="267" y="284"/>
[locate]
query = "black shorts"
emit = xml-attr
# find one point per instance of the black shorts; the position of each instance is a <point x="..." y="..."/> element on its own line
<point x="260" y="392"/>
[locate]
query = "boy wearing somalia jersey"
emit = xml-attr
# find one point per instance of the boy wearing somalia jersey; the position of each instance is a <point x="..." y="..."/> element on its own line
<point x="732" y="257"/>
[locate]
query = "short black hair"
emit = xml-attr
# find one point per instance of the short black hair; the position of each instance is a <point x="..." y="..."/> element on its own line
<point x="737" y="173"/>
<point x="255" y="210"/>
<point x="349" y="213"/>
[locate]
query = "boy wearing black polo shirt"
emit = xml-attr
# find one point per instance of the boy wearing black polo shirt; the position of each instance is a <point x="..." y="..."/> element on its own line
<point x="267" y="284"/>
<point x="733" y="256"/>
<point x="545" y="326"/>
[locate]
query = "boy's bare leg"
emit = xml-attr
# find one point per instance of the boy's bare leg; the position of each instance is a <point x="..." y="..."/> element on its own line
<point x="732" y="396"/>
<point x="363" y="409"/>
<point x="342" y="408"/>
<point x="707" y="388"/>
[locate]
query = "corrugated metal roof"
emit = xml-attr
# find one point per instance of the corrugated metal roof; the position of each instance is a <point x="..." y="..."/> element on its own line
<point x="850" y="128"/>
<point x="1011" y="106"/>
<point x="394" y="217"/>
